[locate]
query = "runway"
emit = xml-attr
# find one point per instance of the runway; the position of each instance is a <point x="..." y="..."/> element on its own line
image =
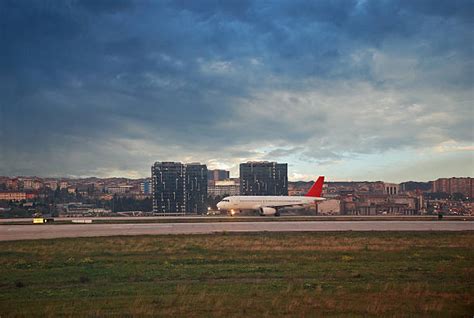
<point x="249" y="218"/>
<point x="45" y="231"/>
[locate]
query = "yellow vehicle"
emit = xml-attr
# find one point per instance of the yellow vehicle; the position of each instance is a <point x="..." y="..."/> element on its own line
<point x="41" y="220"/>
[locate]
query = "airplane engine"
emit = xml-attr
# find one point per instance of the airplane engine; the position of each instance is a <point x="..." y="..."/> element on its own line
<point x="268" y="211"/>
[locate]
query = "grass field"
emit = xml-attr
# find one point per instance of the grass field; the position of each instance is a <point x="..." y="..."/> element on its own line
<point x="236" y="275"/>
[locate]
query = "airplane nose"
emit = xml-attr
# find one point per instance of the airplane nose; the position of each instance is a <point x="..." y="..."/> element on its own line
<point x="219" y="205"/>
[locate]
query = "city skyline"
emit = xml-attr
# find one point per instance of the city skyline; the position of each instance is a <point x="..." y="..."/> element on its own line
<point x="231" y="177"/>
<point x="292" y="177"/>
<point x="353" y="90"/>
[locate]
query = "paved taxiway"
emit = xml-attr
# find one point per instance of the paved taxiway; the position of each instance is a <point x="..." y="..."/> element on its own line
<point x="250" y="218"/>
<point x="45" y="231"/>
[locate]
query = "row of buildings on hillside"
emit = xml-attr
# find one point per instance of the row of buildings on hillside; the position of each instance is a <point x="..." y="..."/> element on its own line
<point x="34" y="188"/>
<point x="176" y="187"/>
<point x="408" y="198"/>
<point x="31" y="183"/>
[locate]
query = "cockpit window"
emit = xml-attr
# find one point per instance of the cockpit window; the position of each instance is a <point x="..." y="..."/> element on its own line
<point x="225" y="200"/>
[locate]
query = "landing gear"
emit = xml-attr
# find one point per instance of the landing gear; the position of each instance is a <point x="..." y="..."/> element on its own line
<point x="277" y="213"/>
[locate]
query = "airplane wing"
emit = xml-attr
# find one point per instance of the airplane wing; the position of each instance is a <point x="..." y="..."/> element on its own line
<point x="283" y="205"/>
<point x="290" y="205"/>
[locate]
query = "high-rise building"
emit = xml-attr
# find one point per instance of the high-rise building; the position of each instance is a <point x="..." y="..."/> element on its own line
<point x="263" y="178"/>
<point x="168" y="187"/>
<point x="454" y="185"/>
<point x="217" y="175"/>
<point x="178" y="187"/>
<point x="196" y="187"/>
<point x="441" y="185"/>
<point x="145" y="187"/>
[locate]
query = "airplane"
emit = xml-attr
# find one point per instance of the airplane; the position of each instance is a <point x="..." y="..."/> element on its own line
<point x="270" y="205"/>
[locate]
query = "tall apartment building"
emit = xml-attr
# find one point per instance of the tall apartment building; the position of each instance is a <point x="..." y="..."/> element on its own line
<point x="178" y="187"/>
<point x="196" y="187"/>
<point x="263" y="178"/>
<point x="168" y="187"/>
<point x="454" y="185"/>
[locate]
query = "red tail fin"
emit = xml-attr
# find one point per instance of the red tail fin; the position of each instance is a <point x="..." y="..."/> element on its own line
<point x="317" y="188"/>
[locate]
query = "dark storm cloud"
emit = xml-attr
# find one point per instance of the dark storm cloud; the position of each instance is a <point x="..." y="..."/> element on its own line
<point x="106" y="6"/>
<point x="109" y="86"/>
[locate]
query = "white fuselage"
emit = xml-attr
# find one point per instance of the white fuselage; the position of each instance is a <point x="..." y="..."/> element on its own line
<point x="239" y="203"/>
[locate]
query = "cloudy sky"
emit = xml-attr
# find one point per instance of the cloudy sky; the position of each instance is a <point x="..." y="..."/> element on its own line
<point x="354" y="90"/>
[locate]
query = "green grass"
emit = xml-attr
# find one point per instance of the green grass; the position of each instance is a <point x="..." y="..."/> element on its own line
<point x="235" y="275"/>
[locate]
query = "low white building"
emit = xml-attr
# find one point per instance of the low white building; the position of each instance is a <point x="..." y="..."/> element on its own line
<point x="120" y="189"/>
<point x="391" y="188"/>
<point x="224" y="187"/>
<point x="331" y="206"/>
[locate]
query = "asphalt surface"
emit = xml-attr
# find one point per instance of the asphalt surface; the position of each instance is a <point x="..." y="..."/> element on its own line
<point x="206" y="218"/>
<point x="45" y="231"/>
